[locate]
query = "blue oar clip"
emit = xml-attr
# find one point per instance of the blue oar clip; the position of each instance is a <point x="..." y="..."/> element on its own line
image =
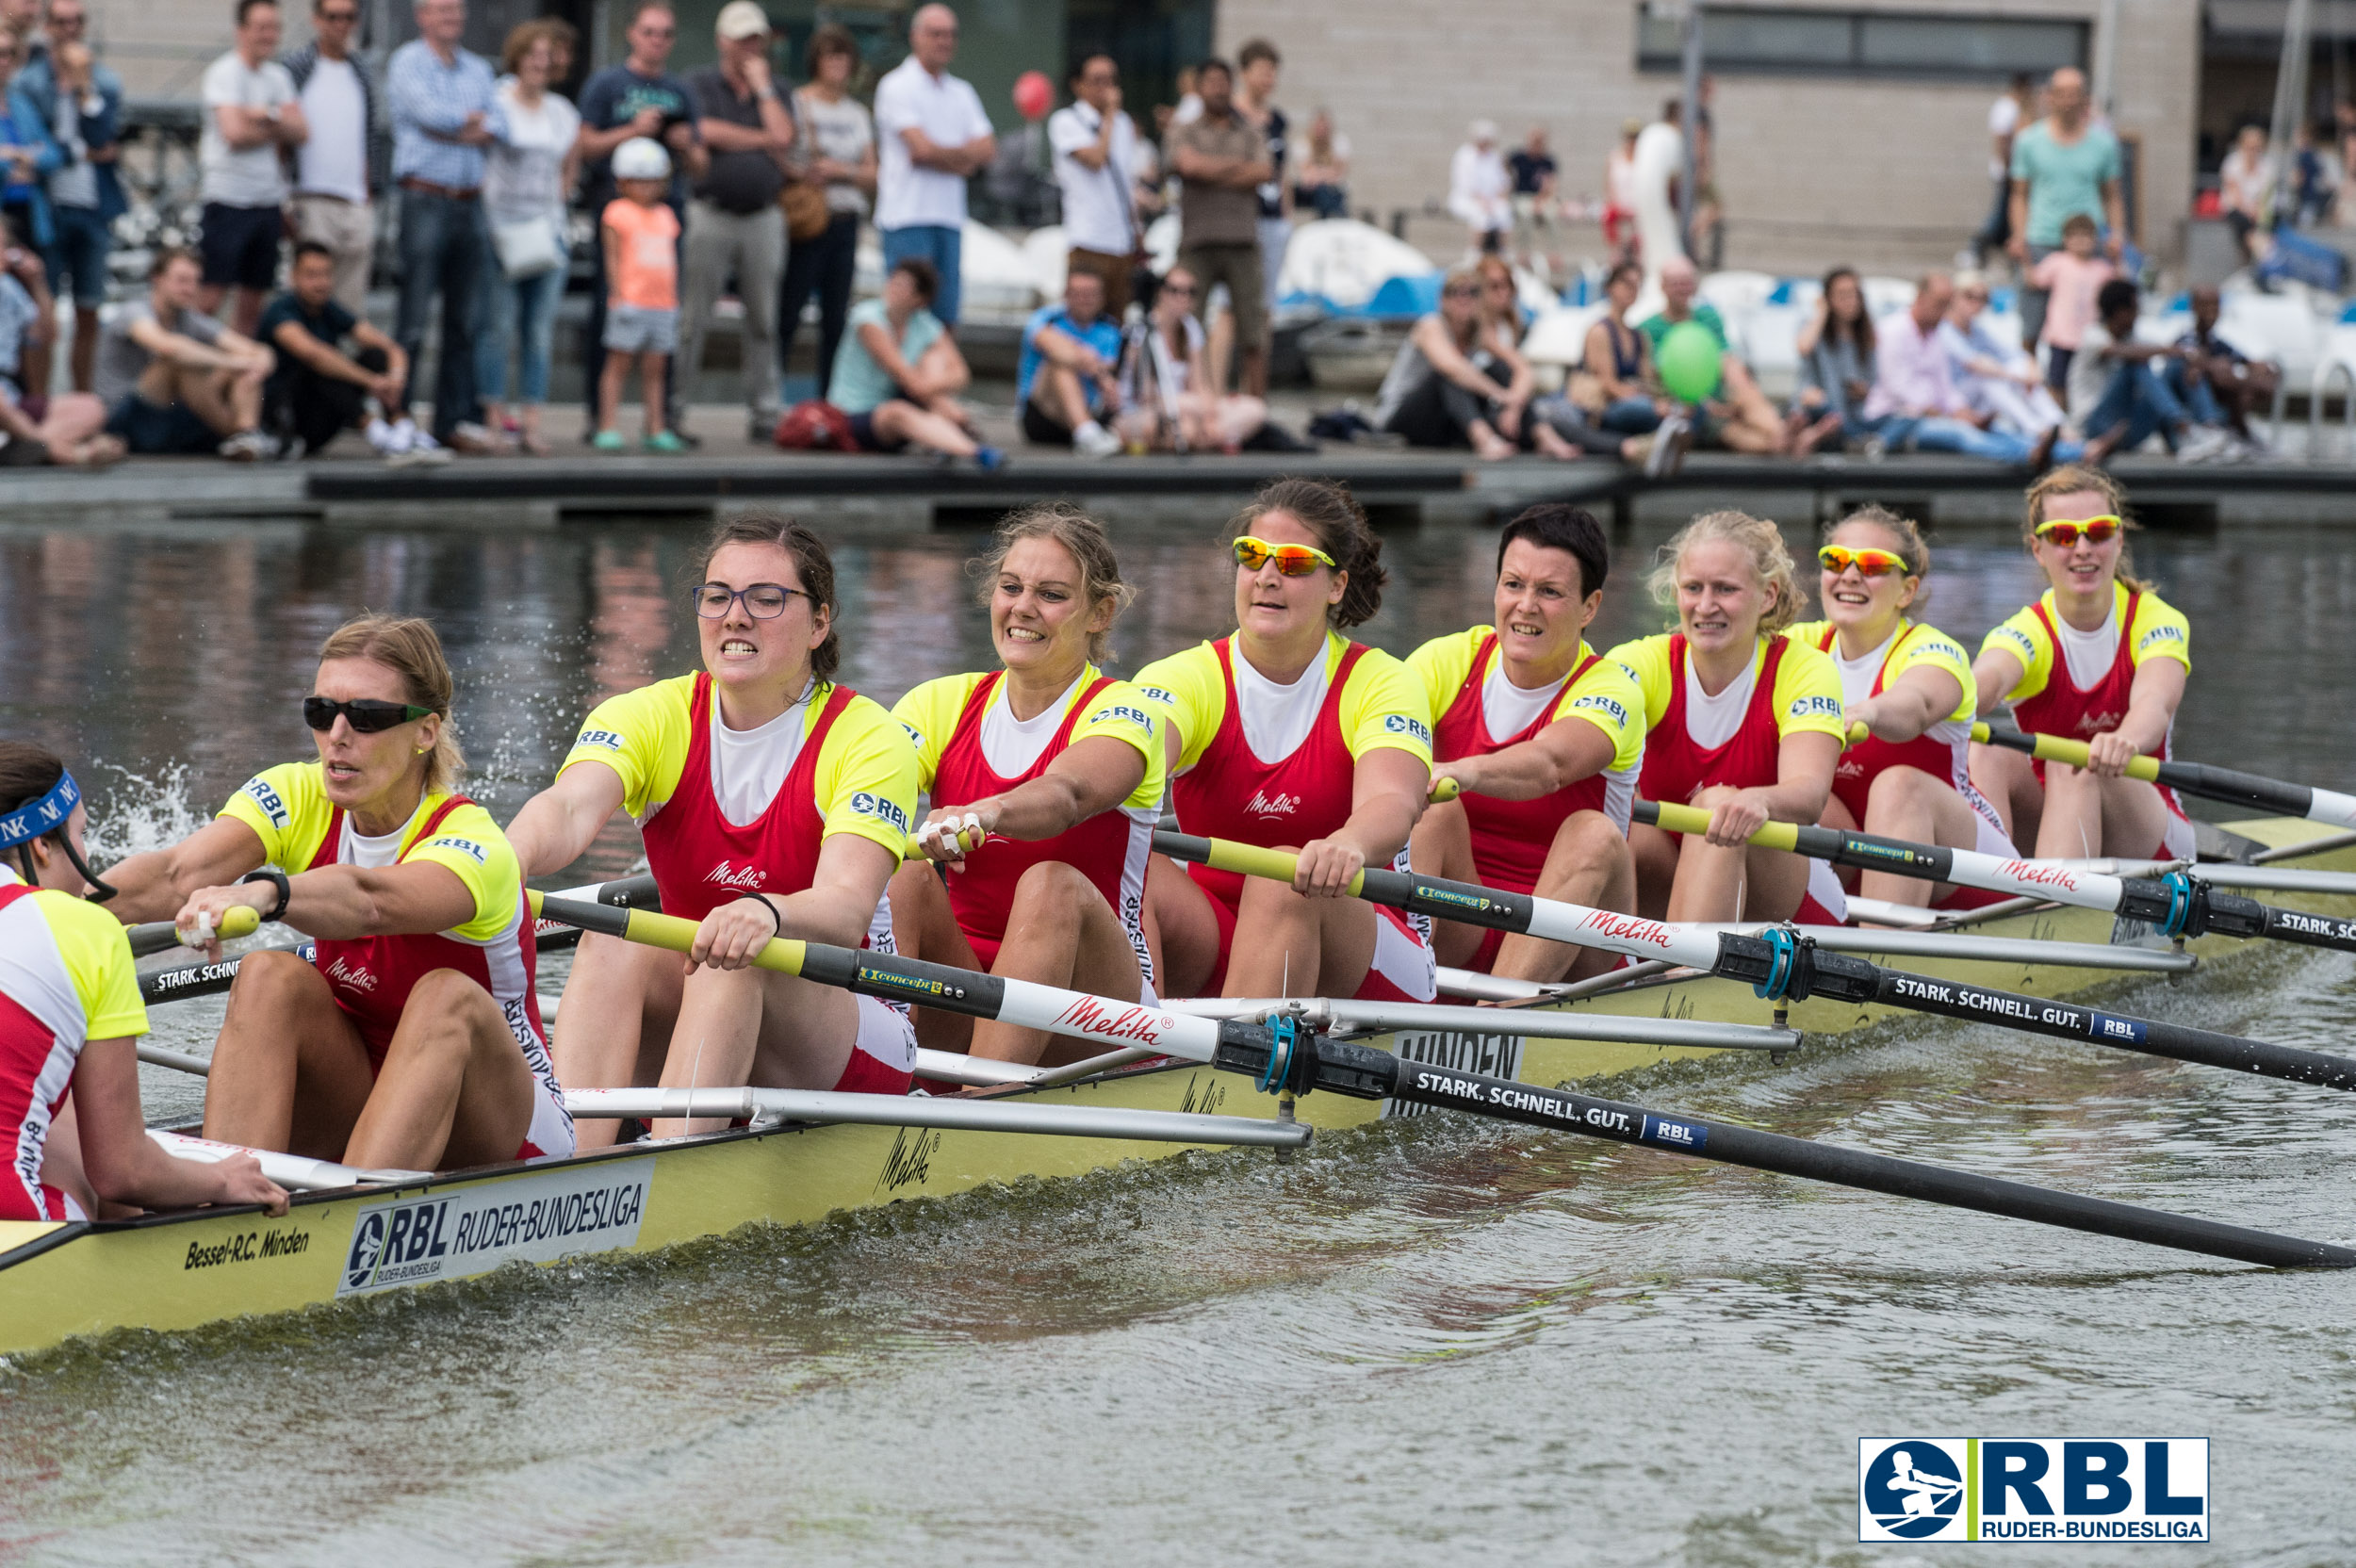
<point x="1785" y="944"/>
<point x="1283" y="1039"/>
<point x="2180" y="895"/>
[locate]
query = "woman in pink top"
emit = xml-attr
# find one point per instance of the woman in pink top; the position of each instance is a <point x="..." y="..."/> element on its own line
<point x="2073" y="275"/>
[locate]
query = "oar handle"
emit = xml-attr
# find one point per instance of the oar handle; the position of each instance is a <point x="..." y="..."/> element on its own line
<point x="785" y="954"/>
<point x="161" y="935"/>
<point x="2055" y="748"/>
<point x="1857" y="734"/>
<point x="1693" y="819"/>
<point x="1275" y="865"/>
<point x="1443" y="790"/>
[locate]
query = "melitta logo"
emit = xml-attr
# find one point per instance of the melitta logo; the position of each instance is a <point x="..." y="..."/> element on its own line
<point x="1142" y="1024"/>
<point x="353" y="975"/>
<point x="727" y="875"/>
<point x="261" y="795"/>
<point x="1262" y="804"/>
<point x="2033" y="1489"/>
<point x="2091" y="725"/>
<point x="876" y="806"/>
<point x="1628" y="928"/>
<point x="2034" y="875"/>
<point x="1399" y="724"/>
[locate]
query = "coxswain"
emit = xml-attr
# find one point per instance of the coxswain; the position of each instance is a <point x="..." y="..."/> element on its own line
<point x="1907" y="686"/>
<point x="1739" y="719"/>
<point x="2099" y="658"/>
<point x="1046" y="779"/>
<point x="1287" y="735"/>
<point x="69" y="1015"/>
<point x="414" y="1039"/>
<point x="774" y="803"/>
<point x="1544" y="736"/>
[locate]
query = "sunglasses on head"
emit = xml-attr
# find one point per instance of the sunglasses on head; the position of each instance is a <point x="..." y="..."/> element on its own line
<point x="1291" y="560"/>
<point x="2067" y="532"/>
<point x="365" y="714"/>
<point x="1838" y="559"/>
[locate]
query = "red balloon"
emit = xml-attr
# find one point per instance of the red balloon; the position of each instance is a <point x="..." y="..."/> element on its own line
<point x="1034" y="96"/>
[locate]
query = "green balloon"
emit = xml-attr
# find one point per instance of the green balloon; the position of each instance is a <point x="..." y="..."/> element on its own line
<point x="1689" y="362"/>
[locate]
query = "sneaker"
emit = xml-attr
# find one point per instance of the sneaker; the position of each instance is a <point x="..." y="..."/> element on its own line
<point x="384" y="440"/>
<point x="421" y="450"/>
<point x="248" y="445"/>
<point x="1669" y="440"/>
<point x="1094" y="440"/>
<point x="473" y="439"/>
<point x="988" y="459"/>
<point x="2206" y="444"/>
<point x="666" y="442"/>
<point x="610" y="441"/>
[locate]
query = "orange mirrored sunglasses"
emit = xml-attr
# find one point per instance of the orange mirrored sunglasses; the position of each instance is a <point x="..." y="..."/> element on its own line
<point x="1291" y="560"/>
<point x="2064" y="532"/>
<point x="1838" y="559"/>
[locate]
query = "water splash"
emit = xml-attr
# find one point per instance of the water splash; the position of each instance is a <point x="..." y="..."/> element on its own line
<point x="143" y="810"/>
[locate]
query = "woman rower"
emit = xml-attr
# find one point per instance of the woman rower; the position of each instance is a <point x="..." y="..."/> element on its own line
<point x="1543" y="736"/>
<point x="773" y="803"/>
<point x="70" y="1011"/>
<point x="2100" y="658"/>
<point x="1288" y="735"/>
<point x="1046" y="781"/>
<point x="1910" y="685"/>
<point x="414" y="1041"/>
<point x="1737" y="718"/>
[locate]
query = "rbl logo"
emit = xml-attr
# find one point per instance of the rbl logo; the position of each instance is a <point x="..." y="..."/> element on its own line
<point x="268" y="799"/>
<point x="868" y="805"/>
<point x="1399" y="724"/>
<point x="604" y="739"/>
<point x="1132" y="714"/>
<point x="2033" y="1489"/>
<point x="1812" y="708"/>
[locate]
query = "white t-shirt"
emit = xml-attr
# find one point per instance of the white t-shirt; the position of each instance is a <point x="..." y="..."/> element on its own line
<point x="1277" y="719"/>
<point x="748" y="766"/>
<point x="2089" y="373"/>
<point x="2089" y="654"/>
<point x="334" y="158"/>
<point x="1856" y="675"/>
<point x="252" y="177"/>
<point x="1508" y="709"/>
<point x="1712" y="721"/>
<point x="949" y="113"/>
<point x="1010" y="745"/>
<point x="1097" y="212"/>
<point x="2004" y="118"/>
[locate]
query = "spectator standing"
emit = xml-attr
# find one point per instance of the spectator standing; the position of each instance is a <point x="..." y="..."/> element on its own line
<point x="1222" y="161"/>
<point x="2246" y="186"/>
<point x="899" y="373"/>
<point x="2120" y="399"/>
<point x="317" y="390"/>
<point x="734" y="224"/>
<point x="70" y="428"/>
<point x="444" y="115"/>
<point x="29" y="152"/>
<point x="835" y="148"/>
<point x="252" y="118"/>
<point x="526" y="174"/>
<point x="332" y="204"/>
<point x="1532" y="167"/>
<point x="1480" y="190"/>
<point x="934" y="137"/>
<point x="175" y="381"/>
<point x="2070" y="277"/>
<point x="1619" y="190"/>
<point x="81" y="102"/>
<point x="637" y="98"/>
<point x="2003" y="122"/>
<point x="21" y="20"/>
<point x="639" y="234"/>
<point x="1256" y="66"/>
<point x="2063" y="166"/>
<point x="1321" y="180"/>
<point x="1915" y="403"/>
<point x="2239" y="384"/>
<point x="1095" y="146"/>
<point x="1068" y="381"/>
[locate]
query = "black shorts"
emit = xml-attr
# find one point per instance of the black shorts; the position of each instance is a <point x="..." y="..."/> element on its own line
<point x="239" y="246"/>
<point x="172" y="431"/>
<point x="1043" y="428"/>
<point x="863" y="431"/>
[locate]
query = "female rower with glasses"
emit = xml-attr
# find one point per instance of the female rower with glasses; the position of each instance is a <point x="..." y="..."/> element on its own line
<point x="1910" y="687"/>
<point x="69" y="1018"/>
<point x="1046" y="779"/>
<point x="413" y="1040"/>
<point x="1287" y="735"/>
<point x="773" y="803"/>
<point x="1740" y="720"/>
<point x="1545" y="737"/>
<point x="2100" y="658"/>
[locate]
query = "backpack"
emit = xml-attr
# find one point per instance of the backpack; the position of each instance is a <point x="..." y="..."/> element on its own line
<point x="817" y="425"/>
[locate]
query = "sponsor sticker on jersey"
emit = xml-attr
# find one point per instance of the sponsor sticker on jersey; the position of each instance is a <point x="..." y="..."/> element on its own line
<point x="259" y="791"/>
<point x="1399" y="724"/>
<point x="603" y="738"/>
<point x="868" y="804"/>
<point x="2019" y="641"/>
<point x="530" y="1219"/>
<point x="1132" y="715"/>
<point x="1156" y="694"/>
<point x="915" y="734"/>
<point x="1816" y="708"/>
<point x="1598" y="704"/>
<point x="2164" y="632"/>
<point x="468" y="848"/>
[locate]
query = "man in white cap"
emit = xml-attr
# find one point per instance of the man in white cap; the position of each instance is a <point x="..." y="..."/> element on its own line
<point x="733" y="222"/>
<point x="1480" y="190"/>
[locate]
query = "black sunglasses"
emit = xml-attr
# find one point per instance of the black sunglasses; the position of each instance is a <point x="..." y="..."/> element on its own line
<point x="365" y="714"/>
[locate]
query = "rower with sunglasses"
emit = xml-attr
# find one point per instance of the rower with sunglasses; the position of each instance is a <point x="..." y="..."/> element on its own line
<point x="1910" y="685"/>
<point x="773" y="803"/>
<point x="413" y="1040"/>
<point x="2100" y="658"/>
<point x="1288" y="735"/>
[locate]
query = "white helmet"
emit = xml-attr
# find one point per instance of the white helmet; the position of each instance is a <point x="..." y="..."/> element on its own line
<point x="641" y="158"/>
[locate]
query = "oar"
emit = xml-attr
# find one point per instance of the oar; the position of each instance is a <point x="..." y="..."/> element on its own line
<point x="1282" y="1056"/>
<point x="1490" y="1020"/>
<point x="1783" y="964"/>
<point x="2176" y="905"/>
<point x="2193" y="778"/>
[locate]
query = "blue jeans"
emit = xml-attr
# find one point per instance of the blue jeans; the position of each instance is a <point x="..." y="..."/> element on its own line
<point x="2194" y="392"/>
<point x="941" y="245"/>
<point x="444" y="245"/>
<point x="518" y="315"/>
<point x="2142" y="400"/>
<point x="1629" y="417"/>
<point x="1962" y="436"/>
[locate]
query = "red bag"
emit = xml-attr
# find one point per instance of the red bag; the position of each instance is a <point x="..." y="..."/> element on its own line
<point x="816" y="425"/>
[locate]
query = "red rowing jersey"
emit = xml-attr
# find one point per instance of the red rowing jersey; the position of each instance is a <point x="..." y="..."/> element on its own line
<point x="2064" y="708"/>
<point x="1677" y="767"/>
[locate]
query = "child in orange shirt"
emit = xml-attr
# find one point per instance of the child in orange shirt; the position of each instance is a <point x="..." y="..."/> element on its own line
<point x="640" y="234"/>
<point x="2072" y="276"/>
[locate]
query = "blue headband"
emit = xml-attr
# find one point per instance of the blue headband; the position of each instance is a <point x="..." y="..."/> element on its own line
<point x="45" y="815"/>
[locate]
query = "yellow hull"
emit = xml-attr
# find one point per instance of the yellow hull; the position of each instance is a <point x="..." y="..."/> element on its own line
<point x="183" y="1270"/>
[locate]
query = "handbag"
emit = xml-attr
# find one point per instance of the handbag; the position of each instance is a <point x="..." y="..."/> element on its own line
<point x="528" y="247"/>
<point x="804" y="202"/>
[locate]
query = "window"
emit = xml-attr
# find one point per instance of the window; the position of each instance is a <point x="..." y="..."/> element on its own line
<point x="1742" y="40"/>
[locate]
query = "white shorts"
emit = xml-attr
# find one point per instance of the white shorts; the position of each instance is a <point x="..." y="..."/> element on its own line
<point x="1991" y="839"/>
<point x="886" y="1033"/>
<point x="2179" y="844"/>
<point x="1403" y="961"/>
<point x="552" y="1129"/>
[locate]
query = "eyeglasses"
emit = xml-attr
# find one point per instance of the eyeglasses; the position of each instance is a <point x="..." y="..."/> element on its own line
<point x="365" y="714"/>
<point x="1184" y="289"/>
<point x="1291" y="560"/>
<point x="763" y="601"/>
<point x="1838" y="559"/>
<point x="2066" y="532"/>
<point x="1461" y="291"/>
<point x="339" y="16"/>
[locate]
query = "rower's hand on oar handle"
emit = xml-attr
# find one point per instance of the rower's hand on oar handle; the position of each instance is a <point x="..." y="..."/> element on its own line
<point x="2109" y="755"/>
<point x="243" y="1181"/>
<point x="1858" y="733"/>
<point x="1733" y="820"/>
<point x="732" y="936"/>
<point x="1443" y="787"/>
<point x="953" y="832"/>
<point x="214" y="915"/>
<point x="1326" y="868"/>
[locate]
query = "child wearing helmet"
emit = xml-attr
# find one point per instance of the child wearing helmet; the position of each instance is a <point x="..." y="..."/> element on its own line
<point x="640" y="235"/>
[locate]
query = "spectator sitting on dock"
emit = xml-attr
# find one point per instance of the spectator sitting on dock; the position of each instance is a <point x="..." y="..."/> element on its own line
<point x="1740" y="417"/>
<point x="2239" y="384"/>
<point x="1069" y="383"/>
<point x="1915" y="404"/>
<point x="2119" y="397"/>
<point x="174" y="380"/>
<point x="1993" y="372"/>
<point x="68" y="429"/>
<point x="1836" y="371"/>
<point x="317" y="390"/>
<point x="1169" y="404"/>
<point x="1626" y="387"/>
<point x="898" y="373"/>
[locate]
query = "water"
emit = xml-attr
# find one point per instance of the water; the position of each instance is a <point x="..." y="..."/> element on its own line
<point x="1435" y="1341"/>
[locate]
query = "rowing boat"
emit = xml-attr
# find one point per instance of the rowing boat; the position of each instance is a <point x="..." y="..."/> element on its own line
<point x="183" y="1270"/>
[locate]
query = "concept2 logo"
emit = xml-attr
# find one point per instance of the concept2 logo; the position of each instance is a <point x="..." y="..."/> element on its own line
<point x="2085" y="1489"/>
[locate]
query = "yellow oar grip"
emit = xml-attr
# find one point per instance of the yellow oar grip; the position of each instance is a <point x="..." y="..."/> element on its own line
<point x="1693" y="819"/>
<point x="1443" y="790"/>
<point x="1276" y="865"/>
<point x="649" y="929"/>
<point x="238" y="921"/>
<point x="1859" y="732"/>
<point x="2055" y="748"/>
